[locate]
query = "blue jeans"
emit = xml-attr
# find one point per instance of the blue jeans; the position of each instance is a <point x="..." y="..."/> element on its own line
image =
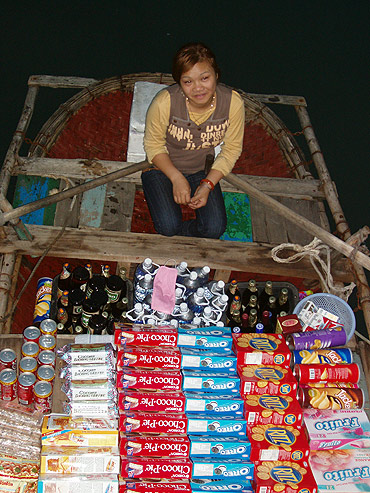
<point x="210" y="220"/>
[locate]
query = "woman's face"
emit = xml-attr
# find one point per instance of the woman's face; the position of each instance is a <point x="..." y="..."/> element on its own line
<point x="199" y="85"/>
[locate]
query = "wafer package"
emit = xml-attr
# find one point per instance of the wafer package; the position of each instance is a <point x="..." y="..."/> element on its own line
<point x="261" y="349"/>
<point x="275" y="380"/>
<point x="283" y="477"/>
<point x="97" y="390"/>
<point x="70" y="483"/>
<point x="87" y="354"/>
<point x="272" y="409"/>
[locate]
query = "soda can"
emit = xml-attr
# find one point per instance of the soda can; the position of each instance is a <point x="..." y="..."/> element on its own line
<point x="8" y="359"/>
<point x="43" y="299"/>
<point x="317" y="339"/>
<point x="31" y="334"/>
<point x="48" y="326"/>
<point x="28" y="364"/>
<point x="327" y="373"/>
<point x="26" y="382"/>
<point x="331" y="398"/>
<point x="314" y="356"/>
<point x="30" y="349"/>
<point x="47" y="342"/>
<point x="42" y="392"/>
<point x="46" y="357"/>
<point x="8" y="384"/>
<point x="46" y="373"/>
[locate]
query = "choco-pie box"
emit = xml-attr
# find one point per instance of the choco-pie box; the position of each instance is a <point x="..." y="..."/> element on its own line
<point x="158" y="468"/>
<point x="259" y="379"/>
<point x="144" y="357"/>
<point x="272" y="409"/>
<point x="145" y="379"/>
<point x="147" y="486"/>
<point x="205" y="485"/>
<point x="283" y="477"/>
<point x="261" y="349"/>
<point x="155" y="402"/>
<point x="154" y="446"/>
<point x="175" y="424"/>
<point x="144" y="335"/>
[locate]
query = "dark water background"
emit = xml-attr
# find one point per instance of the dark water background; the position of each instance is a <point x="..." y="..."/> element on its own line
<point x="315" y="49"/>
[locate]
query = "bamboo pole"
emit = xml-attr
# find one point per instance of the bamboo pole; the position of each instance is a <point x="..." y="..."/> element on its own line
<point x="70" y="192"/>
<point x="300" y="221"/>
<point x="7" y="262"/>
<point x="336" y="209"/>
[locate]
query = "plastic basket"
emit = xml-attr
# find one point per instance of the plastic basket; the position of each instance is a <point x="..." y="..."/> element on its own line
<point x="332" y="304"/>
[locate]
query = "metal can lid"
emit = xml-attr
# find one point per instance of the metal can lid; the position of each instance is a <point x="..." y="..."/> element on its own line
<point x="48" y="326"/>
<point x="43" y="389"/>
<point x="26" y="379"/>
<point x="46" y="372"/>
<point x="31" y="332"/>
<point x="47" y="357"/>
<point x="7" y="355"/>
<point x="47" y="341"/>
<point x="8" y="376"/>
<point x="30" y="349"/>
<point x="28" y="364"/>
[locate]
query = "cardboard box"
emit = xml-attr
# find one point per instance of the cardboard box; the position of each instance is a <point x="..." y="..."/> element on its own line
<point x="261" y="349"/>
<point x="221" y="383"/>
<point x="224" y="468"/>
<point x="162" y="468"/>
<point x="161" y="402"/>
<point x="274" y="380"/>
<point x="229" y="447"/>
<point x="141" y="357"/>
<point x="175" y="424"/>
<point x="152" y="380"/>
<point x="283" y="477"/>
<point x="272" y="409"/>
<point x="154" y="446"/>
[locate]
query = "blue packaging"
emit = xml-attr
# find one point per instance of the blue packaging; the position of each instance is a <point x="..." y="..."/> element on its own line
<point x="216" y="425"/>
<point x="222" y="446"/>
<point x="210" y="330"/>
<point x="330" y="355"/>
<point x="216" y="343"/>
<point x="211" y="382"/>
<point x="239" y="485"/>
<point x="191" y="360"/>
<point x="213" y="404"/>
<point x="43" y="299"/>
<point x="225" y="469"/>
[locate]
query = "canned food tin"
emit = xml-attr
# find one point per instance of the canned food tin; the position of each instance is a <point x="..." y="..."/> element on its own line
<point x="46" y="357"/>
<point x="30" y="349"/>
<point x="28" y="364"/>
<point x="26" y="382"/>
<point x="46" y="373"/>
<point x="48" y="327"/>
<point x="331" y="398"/>
<point x="332" y="355"/>
<point x="47" y="342"/>
<point x="42" y="392"/>
<point x="327" y="373"/>
<point x="31" y="334"/>
<point x="8" y="359"/>
<point x="318" y="339"/>
<point x="8" y="384"/>
<point x="43" y="299"/>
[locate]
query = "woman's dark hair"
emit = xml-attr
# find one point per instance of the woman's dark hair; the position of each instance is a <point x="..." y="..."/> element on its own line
<point x="190" y="54"/>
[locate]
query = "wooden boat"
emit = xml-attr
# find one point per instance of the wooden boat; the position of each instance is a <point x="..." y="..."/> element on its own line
<point x="83" y="145"/>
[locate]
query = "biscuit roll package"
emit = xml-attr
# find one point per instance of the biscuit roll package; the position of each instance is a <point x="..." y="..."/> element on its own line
<point x="154" y="446"/>
<point x="261" y="349"/>
<point x="70" y="483"/>
<point x="272" y="409"/>
<point x="283" y="477"/>
<point x="87" y="354"/>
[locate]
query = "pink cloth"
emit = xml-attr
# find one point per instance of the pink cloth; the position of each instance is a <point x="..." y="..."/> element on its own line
<point x="163" y="297"/>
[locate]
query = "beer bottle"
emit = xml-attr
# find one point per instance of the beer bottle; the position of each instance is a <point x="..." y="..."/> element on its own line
<point x="250" y="290"/>
<point x="96" y="283"/>
<point x="272" y="308"/>
<point x="266" y="322"/>
<point x="251" y="304"/>
<point x="252" y="320"/>
<point x="114" y="287"/>
<point x="244" y="321"/>
<point x="100" y="298"/>
<point x="118" y="310"/>
<point x="105" y="270"/>
<point x="65" y="320"/>
<point x="97" y="325"/>
<point x="63" y="300"/>
<point x="75" y="299"/>
<point x="264" y="296"/>
<point x="64" y="279"/>
<point x="89" y="268"/>
<point x="232" y="289"/>
<point x="283" y="300"/>
<point x="89" y="308"/>
<point x="234" y="307"/>
<point x="79" y="277"/>
<point x="128" y="284"/>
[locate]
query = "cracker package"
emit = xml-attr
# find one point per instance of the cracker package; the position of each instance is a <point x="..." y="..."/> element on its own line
<point x="261" y="349"/>
<point x="272" y="379"/>
<point x="283" y="477"/>
<point x="272" y="409"/>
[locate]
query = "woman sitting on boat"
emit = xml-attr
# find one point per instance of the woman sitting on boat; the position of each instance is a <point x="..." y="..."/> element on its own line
<point x="184" y="124"/>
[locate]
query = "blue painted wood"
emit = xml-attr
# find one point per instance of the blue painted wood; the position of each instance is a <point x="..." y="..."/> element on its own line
<point x="92" y="205"/>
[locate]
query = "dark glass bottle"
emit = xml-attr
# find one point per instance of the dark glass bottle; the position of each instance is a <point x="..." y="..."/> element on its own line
<point x="252" y="320"/>
<point x="97" y="325"/>
<point x="114" y="287"/>
<point x="232" y="289"/>
<point x="89" y="268"/>
<point x="63" y="300"/>
<point x="89" y="308"/>
<point x="96" y="283"/>
<point x="79" y="278"/>
<point x="264" y="296"/>
<point x="272" y="308"/>
<point x="233" y="308"/>
<point x="283" y="301"/>
<point x="100" y="297"/>
<point x="251" y="289"/>
<point x="118" y="310"/>
<point x="105" y="270"/>
<point x="64" y="279"/>
<point x="244" y="325"/>
<point x="76" y="298"/>
<point x="251" y="304"/>
<point x="266" y="322"/>
<point x="65" y="320"/>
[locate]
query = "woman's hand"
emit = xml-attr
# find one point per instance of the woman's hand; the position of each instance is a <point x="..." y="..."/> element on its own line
<point x="200" y="197"/>
<point x="181" y="190"/>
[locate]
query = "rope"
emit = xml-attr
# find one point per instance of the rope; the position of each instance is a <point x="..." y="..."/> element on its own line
<point x="314" y="250"/>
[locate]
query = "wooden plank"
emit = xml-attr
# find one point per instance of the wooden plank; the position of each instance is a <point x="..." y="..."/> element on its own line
<point x="118" y="207"/>
<point x="267" y="226"/>
<point x="134" y="247"/>
<point x="60" y="82"/>
<point x="9" y="321"/>
<point x="306" y="209"/>
<point x="279" y="99"/>
<point x="63" y="208"/>
<point x="222" y="275"/>
<point x="92" y="205"/>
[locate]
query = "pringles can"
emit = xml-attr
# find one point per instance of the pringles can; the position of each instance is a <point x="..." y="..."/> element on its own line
<point x="326" y="373"/>
<point x="318" y="339"/>
<point x="331" y="398"/>
<point x="43" y="299"/>
<point x="315" y="356"/>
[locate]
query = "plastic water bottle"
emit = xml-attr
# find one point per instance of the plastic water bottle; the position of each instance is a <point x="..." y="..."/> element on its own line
<point x="197" y="321"/>
<point x="161" y="317"/>
<point x="191" y="283"/>
<point x="211" y="316"/>
<point x="203" y="275"/>
<point x="185" y="315"/>
<point x="146" y="267"/>
<point x="174" y="323"/>
<point x="214" y="288"/>
<point x="136" y="314"/>
<point x="143" y="288"/>
<point x="182" y="272"/>
<point x="220" y="302"/>
<point x="147" y="303"/>
<point x="197" y="301"/>
<point x="149" y="320"/>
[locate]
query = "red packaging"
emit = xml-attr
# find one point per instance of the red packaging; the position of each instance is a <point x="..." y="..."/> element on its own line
<point x="288" y="324"/>
<point x="174" y="424"/>
<point x="283" y="477"/>
<point x="149" y="358"/>
<point x="158" y="380"/>
<point x="278" y="443"/>
<point x="161" y="402"/>
<point x="261" y="349"/>
<point x="144" y="335"/>
<point x="141" y="486"/>
<point x="26" y="382"/>
<point x="154" y="446"/>
<point x="8" y="359"/>
<point x="272" y="409"/>
<point x="8" y="384"/>
<point x="275" y="380"/>
<point x="142" y="467"/>
<point x="323" y="373"/>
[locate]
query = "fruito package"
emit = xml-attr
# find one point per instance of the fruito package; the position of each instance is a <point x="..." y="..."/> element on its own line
<point x="288" y="325"/>
<point x="161" y="486"/>
<point x="278" y="443"/>
<point x="142" y="357"/>
<point x="341" y="470"/>
<point x="225" y="446"/>
<point x="213" y="404"/>
<point x="225" y="468"/>
<point x="342" y="429"/>
<point x="157" y="402"/>
<point x="261" y="349"/>
<point x="193" y="359"/>
<point x="283" y="477"/>
<point x="275" y="380"/>
<point x="87" y="354"/>
<point x="144" y="335"/>
<point x="216" y="425"/>
<point x="162" y="468"/>
<point x="80" y="460"/>
<point x="67" y="431"/>
<point x="145" y="379"/>
<point x="221" y="383"/>
<point x="239" y="485"/>
<point x="272" y="409"/>
<point x="70" y="483"/>
<point x="131" y="422"/>
<point x="154" y="446"/>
